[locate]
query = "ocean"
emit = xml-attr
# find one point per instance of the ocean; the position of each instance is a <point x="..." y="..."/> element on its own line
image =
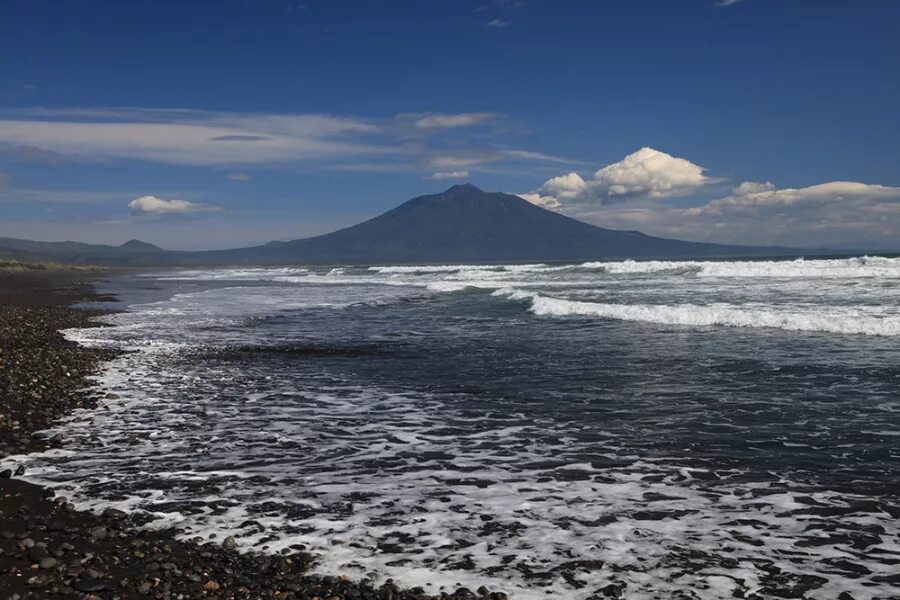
<point x="666" y="428"/>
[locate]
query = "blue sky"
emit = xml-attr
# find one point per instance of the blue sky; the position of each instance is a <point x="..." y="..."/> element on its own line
<point x="201" y="124"/>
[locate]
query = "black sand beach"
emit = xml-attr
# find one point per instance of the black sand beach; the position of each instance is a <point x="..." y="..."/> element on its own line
<point x="50" y="550"/>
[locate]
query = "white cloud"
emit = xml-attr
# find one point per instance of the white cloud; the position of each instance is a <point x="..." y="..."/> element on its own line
<point x="239" y="177"/>
<point x="151" y="205"/>
<point x="416" y="143"/>
<point x="828" y="215"/>
<point x="191" y="137"/>
<point x="647" y="173"/>
<point x="457" y="162"/>
<point x="540" y="156"/>
<point x="836" y="214"/>
<point x="544" y="201"/>
<point x="752" y="187"/>
<point x="752" y="196"/>
<point x="498" y="23"/>
<point x="566" y="188"/>
<point x="441" y="121"/>
<point x="650" y="173"/>
<point x="727" y="2"/>
<point x="484" y="157"/>
<point x="450" y="175"/>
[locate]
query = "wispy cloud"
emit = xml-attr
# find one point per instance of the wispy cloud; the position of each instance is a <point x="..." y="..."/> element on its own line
<point x="443" y="121"/>
<point x="417" y="143"/>
<point x="191" y="137"/>
<point x="239" y="177"/>
<point x="727" y="2"/>
<point x="498" y="23"/>
<point x="4" y="181"/>
<point x="449" y="175"/>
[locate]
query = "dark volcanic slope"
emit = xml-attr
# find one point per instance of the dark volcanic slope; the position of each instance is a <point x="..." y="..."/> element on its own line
<point x="463" y="224"/>
<point x="467" y="224"/>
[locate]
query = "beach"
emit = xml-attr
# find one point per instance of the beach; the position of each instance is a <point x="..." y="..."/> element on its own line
<point x="576" y="430"/>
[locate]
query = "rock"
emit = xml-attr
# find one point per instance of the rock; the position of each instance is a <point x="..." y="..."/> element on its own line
<point x="229" y="543"/>
<point x="20" y="470"/>
<point x="37" y="553"/>
<point x="48" y="563"/>
<point x="114" y="513"/>
<point x="211" y="586"/>
<point x="6" y="473"/>
<point x="86" y="583"/>
<point x="99" y="533"/>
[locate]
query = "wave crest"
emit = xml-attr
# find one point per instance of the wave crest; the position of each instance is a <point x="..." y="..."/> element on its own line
<point x="730" y="315"/>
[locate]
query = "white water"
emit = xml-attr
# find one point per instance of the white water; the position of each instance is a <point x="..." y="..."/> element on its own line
<point x="854" y="296"/>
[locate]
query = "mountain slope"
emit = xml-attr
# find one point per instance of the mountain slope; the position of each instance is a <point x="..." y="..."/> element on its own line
<point x="467" y="224"/>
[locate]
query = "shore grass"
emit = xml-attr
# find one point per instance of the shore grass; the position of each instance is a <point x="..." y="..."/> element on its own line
<point x="9" y="265"/>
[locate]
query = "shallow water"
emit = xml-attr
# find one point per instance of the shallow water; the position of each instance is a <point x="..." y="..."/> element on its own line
<point x="669" y="426"/>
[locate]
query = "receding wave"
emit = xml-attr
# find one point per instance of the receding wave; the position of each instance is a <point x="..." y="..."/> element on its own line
<point x="304" y="350"/>
<point x="728" y="315"/>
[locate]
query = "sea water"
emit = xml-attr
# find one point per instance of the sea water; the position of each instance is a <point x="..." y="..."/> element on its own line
<point x="704" y="428"/>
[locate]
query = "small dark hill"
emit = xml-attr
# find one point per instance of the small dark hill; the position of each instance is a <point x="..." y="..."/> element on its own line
<point x="139" y="246"/>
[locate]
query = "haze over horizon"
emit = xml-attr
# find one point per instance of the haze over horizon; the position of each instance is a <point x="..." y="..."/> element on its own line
<point x="740" y="122"/>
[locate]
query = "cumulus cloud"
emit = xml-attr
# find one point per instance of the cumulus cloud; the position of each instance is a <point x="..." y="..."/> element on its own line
<point x="450" y="175"/>
<point x="650" y="173"/>
<point x="647" y="173"/>
<point x="566" y="188"/>
<point x="239" y="177"/>
<point x="752" y="187"/>
<point x="442" y="121"/>
<point x="751" y="196"/>
<point x="837" y="214"/>
<point x="151" y="205"/>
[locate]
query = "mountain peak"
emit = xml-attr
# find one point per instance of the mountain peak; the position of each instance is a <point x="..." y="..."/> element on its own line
<point x="464" y="188"/>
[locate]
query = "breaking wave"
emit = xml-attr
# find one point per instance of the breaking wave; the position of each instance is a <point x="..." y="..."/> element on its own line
<point x="850" y="321"/>
<point x="863" y="266"/>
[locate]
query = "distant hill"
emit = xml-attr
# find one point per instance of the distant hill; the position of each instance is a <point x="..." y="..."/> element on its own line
<point x="139" y="246"/>
<point x="462" y="224"/>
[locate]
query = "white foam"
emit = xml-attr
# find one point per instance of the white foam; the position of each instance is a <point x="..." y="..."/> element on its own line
<point x="853" y="321"/>
<point x="343" y="469"/>
<point x="294" y="457"/>
<point x="864" y="267"/>
<point x="246" y="274"/>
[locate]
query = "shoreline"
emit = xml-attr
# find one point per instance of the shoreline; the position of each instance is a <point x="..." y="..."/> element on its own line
<point x="49" y="549"/>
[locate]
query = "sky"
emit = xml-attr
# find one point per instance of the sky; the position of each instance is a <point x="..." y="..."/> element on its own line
<point x="221" y="124"/>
